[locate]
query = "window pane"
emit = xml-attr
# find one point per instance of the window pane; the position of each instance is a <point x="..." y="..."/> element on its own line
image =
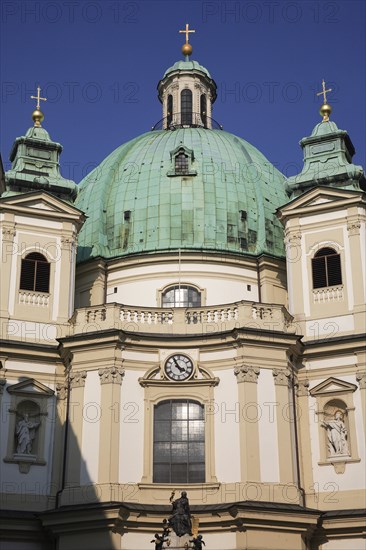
<point x="196" y="452"/>
<point x="179" y="452"/>
<point x="195" y="411"/>
<point x="196" y="430"/>
<point x="196" y="473"/>
<point x="162" y="430"/>
<point x="180" y="410"/>
<point x="163" y="411"/>
<point x="161" y="473"/>
<point x="179" y="430"/>
<point x="186" y="106"/>
<point x="162" y="452"/>
<point x="179" y="473"/>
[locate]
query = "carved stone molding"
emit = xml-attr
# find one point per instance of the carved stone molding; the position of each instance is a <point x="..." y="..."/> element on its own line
<point x="77" y="379"/>
<point x="8" y="232"/>
<point x="247" y="373"/>
<point x="302" y="388"/>
<point x="111" y="375"/>
<point x="293" y="238"/>
<point x="282" y="377"/>
<point x="354" y="226"/>
<point x="361" y="379"/>
<point x="61" y="391"/>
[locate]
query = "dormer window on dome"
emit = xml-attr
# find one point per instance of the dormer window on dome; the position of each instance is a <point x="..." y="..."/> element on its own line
<point x="182" y="159"/>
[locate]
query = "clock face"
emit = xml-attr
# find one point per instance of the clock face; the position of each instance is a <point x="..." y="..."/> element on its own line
<point x="178" y="367"/>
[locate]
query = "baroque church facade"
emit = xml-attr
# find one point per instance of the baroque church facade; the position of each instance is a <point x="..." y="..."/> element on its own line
<point x="185" y="319"/>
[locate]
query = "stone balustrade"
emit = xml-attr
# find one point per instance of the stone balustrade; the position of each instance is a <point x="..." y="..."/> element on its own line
<point x="329" y="294"/>
<point x="208" y="319"/>
<point x="33" y="298"/>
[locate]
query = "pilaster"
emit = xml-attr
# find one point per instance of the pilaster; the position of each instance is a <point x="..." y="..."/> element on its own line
<point x="282" y="381"/>
<point x="247" y="377"/>
<point x="75" y="433"/>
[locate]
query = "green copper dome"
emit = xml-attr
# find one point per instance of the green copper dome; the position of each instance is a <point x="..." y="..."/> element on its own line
<point x="224" y="201"/>
<point x="187" y="66"/>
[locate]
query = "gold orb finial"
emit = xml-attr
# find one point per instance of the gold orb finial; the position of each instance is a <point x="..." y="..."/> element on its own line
<point x="37" y="114"/>
<point x="37" y="117"/>
<point x="187" y="48"/>
<point x="325" y="109"/>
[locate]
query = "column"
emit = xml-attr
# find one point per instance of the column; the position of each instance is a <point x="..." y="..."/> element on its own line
<point x="111" y="381"/>
<point x="282" y="379"/>
<point x="303" y="431"/>
<point x="7" y="252"/>
<point x="247" y="377"/>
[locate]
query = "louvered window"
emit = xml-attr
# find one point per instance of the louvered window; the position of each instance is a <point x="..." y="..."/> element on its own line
<point x="326" y="267"/>
<point x="186" y="107"/>
<point x="35" y="273"/>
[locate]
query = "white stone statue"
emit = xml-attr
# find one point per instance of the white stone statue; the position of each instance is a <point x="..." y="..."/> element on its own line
<point x="26" y="432"/>
<point x="337" y="435"/>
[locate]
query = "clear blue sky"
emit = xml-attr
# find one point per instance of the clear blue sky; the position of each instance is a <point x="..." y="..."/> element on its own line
<point x="99" y="63"/>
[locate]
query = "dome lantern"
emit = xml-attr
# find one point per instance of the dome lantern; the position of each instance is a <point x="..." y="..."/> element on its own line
<point x="187" y="92"/>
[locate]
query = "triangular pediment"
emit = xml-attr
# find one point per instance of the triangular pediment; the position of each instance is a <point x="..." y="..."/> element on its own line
<point x="320" y="198"/>
<point x="30" y="388"/>
<point x="40" y="200"/>
<point x="331" y="386"/>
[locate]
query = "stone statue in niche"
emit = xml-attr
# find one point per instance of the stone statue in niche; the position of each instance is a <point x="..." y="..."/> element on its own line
<point x="25" y="432"/>
<point x="180" y="520"/>
<point x="337" y="435"/>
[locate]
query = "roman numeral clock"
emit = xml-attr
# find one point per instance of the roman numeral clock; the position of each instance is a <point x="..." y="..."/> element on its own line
<point x="178" y="367"/>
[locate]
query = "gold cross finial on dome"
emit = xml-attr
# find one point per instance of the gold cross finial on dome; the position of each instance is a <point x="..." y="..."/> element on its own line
<point x="325" y="109"/>
<point x="37" y="115"/>
<point x="186" y="32"/>
<point x="38" y="97"/>
<point x="187" y="48"/>
<point x="324" y="92"/>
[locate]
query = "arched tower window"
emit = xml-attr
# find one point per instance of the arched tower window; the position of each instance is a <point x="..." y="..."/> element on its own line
<point x="326" y="268"/>
<point x="181" y="296"/>
<point x="203" y="109"/>
<point x="35" y="273"/>
<point x="179" y="442"/>
<point x="186" y="106"/>
<point x="169" y="110"/>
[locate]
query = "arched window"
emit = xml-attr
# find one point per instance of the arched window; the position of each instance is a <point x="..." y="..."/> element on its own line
<point x="186" y="106"/>
<point x="35" y="273"/>
<point x="203" y="109"/>
<point x="181" y="165"/>
<point x="326" y="267"/>
<point x="181" y="296"/>
<point x="179" y="442"/>
<point x="169" y="110"/>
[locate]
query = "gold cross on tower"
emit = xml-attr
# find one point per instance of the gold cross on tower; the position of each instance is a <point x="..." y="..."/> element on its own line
<point x="325" y="109"/>
<point x="38" y="97"/>
<point x="187" y="48"/>
<point x="324" y="92"/>
<point x="186" y="32"/>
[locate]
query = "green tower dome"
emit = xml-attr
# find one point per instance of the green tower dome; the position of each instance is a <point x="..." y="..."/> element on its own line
<point x="186" y="188"/>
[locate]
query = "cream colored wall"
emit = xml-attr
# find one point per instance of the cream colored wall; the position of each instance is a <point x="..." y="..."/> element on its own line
<point x="267" y="426"/>
<point x="227" y="441"/>
<point x="345" y="544"/>
<point x="222" y="284"/>
<point x="131" y="420"/>
<point x="91" y="427"/>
